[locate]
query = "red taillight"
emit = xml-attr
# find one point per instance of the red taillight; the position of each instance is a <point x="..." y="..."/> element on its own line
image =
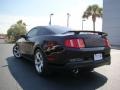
<point x="75" y="43"/>
<point x="106" y="42"/>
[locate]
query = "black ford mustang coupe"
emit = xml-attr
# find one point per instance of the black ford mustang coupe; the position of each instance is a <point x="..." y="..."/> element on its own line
<point x="56" y="47"/>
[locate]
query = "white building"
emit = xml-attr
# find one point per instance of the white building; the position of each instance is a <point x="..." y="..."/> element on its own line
<point x="111" y="20"/>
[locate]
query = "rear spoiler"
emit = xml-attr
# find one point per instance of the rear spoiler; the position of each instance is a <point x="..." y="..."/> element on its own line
<point x="94" y="32"/>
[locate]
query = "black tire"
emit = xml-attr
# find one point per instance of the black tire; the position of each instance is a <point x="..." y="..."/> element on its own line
<point x="16" y="52"/>
<point x="40" y="64"/>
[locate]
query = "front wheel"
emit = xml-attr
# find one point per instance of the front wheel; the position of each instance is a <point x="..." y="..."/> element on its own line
<point x="16" y="51"/>
<point x="40" y="64"/>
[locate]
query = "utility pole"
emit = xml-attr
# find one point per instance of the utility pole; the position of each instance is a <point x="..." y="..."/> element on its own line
<point x="50" y="19"/>
<point x="83" y="23"/>
<point x="68" y="16"/>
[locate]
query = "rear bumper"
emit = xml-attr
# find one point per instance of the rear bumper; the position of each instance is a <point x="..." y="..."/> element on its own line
<point x="92" y="64"/>
<point x="80" y="58"/>
<point x="82" y="64"/>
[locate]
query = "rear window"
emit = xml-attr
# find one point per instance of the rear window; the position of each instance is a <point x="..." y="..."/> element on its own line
<point x="88" y="33"/>
<point x="59" y="30"/>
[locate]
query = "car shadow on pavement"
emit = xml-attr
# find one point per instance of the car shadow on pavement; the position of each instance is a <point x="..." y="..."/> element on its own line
<point x="24" y="73"/>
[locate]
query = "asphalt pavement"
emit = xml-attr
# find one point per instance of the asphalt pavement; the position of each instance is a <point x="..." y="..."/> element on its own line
<point x="19" y="74"/>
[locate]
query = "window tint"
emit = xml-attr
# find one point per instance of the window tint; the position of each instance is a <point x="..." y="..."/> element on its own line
<point x="32" y="32"/>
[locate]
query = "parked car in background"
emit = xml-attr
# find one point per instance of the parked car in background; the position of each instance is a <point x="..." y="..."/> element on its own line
<point x="56" y="47"/>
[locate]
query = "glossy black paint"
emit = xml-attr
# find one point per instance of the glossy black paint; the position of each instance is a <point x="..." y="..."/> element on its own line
<point x="40" y="36"/>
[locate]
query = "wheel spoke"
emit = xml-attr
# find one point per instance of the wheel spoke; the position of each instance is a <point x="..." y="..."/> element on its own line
<point x="40" y="68"/>
<point x="15" y="49"/>
<point x="37" y="67"/>
<point x="37" y="56"/>
<point x="37" y="62"/>
<point x="41" y="57"/>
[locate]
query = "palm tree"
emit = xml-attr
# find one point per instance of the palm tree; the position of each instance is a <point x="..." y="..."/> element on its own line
<point x="94" y="11"/>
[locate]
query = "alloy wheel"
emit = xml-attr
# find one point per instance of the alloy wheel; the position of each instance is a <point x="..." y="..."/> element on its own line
<point x="16" y="51"/>
<point x="39" y="62"/>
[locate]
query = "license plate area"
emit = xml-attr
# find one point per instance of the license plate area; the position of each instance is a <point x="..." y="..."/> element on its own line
<point x="98" y="56"/>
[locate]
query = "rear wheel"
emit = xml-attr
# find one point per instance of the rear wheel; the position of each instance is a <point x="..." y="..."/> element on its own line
<point x="40" y="64"/>
<point x="16" y="51"/>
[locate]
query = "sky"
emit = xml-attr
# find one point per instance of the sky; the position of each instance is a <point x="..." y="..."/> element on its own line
<point x="36" y="13"/>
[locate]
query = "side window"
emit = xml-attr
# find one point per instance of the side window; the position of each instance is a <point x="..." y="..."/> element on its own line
<point x="32" y="32"/>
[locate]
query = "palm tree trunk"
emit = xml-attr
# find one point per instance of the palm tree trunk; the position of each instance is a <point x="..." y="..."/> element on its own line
<point x="93" y="25"/>
<point x="93" y="19"/>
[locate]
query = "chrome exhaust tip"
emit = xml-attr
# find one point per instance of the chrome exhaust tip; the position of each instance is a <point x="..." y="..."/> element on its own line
<point x="75" y="71"/>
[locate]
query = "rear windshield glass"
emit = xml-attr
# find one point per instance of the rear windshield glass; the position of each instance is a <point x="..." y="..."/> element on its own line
<point x="88" y="33"/>
<point x="59" y="30"/>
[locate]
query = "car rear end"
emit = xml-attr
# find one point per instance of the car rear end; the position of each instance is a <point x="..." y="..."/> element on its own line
<point x="79" y="49"/>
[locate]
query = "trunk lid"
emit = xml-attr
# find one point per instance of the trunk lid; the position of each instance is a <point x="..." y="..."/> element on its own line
<point x="90" y="38"/>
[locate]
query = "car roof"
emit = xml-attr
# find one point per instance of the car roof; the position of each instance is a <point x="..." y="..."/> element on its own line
<point x="55" y="28"/>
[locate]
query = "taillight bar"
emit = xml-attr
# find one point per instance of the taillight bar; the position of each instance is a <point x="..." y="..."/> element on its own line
<point x="106" y="42"/>
<point x="74" y="43"/>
